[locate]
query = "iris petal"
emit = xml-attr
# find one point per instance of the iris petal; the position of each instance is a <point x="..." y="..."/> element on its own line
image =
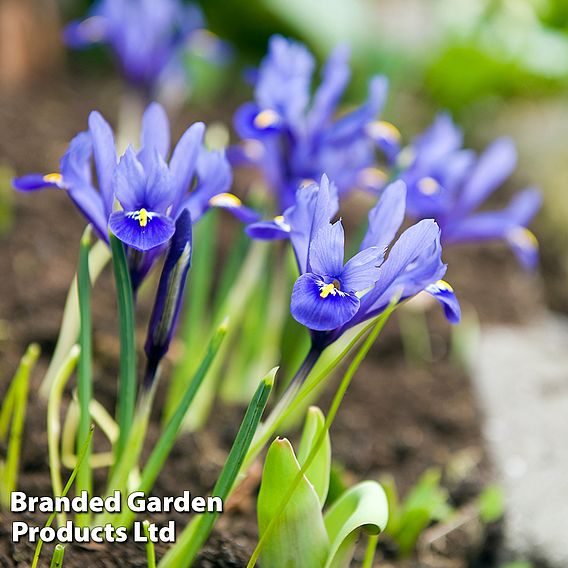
<point x="33" y="182"/>
<point x="327" y="250"/>
<point x="105" y="156"/>
<point x="494" y="166"/>
<point x="158" y="229"/>
<point x="155" y="132"/>
<point x="386" y="217"/>
<point x="362" y="270"/>
<point x="184" y="160"/>
<point x="319" y="313"/>
<point x="444" y="293"/>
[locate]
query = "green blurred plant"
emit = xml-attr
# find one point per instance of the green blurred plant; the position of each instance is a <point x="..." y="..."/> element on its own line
<point x="426" y="502"/>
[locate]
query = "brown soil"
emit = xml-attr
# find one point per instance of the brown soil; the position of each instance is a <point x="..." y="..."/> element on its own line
<point x="397" y="418"/>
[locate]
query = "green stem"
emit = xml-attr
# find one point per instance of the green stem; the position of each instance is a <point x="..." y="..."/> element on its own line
<point x="85" y="370"/>
<point x="337" y="399"/>
<point x="292" y="400"/>
<point x="81" y="459"/>
<point x="127" y="378"/>
<point x="118" y="480"/>
<point x="69" y="328"/>
<point x="196" y="533"/>
<point x="19" y="401"/>
<point x="54" y="425"/>
<point x="372" y="542"/>
<point x="150" y="552"/>
<point x="57" y="558"/>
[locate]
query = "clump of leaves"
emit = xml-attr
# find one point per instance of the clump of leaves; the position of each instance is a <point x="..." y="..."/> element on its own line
<point x="305" y="535"/>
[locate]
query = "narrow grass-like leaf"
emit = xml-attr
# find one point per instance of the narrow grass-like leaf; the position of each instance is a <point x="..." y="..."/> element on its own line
<point x="299" y="537"/>
<point x="169" y="435"/>
<point x="318" y="473"/>
<point x="69" y="329"/>
<point x="54" y="425"/>
<point x="16" y="406"/>
<point x="85" y="371"/>
<point x="196" y="533"/>
<point x="379" y="323"/>
<point x="127" y="377"/>
<point x="293" y="400"/>
<point x="118" y="479"/>
<point x="57" y="558"/>
<point x="363" y="506"/>
<point x="150" y="552"/>
<point x="82" y="455"/>
<point x="233" y="307"/>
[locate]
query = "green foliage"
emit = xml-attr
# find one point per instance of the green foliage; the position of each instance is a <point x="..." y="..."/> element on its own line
<point x="127" y="378"/>
<point x="491" y="503"/>
<point x="6" y="199"/>
<point x="426" y="502"/>
<point x="196" y="533"/>
<point x="12" y="418"/>
<point x="302" y="535"/>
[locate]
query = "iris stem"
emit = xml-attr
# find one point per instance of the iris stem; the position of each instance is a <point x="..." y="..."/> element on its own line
<point x="99" y="255"/>
<point x="54" y="424"/>
<point x="337" y="400"/>
<point x="85" y="370"/>
<point x="127" y="377"/>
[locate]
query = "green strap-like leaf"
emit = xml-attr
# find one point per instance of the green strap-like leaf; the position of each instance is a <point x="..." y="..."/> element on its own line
<point x="319" y="470"/>
<point x="364" y="506"/>
<point x="299" y="538"/>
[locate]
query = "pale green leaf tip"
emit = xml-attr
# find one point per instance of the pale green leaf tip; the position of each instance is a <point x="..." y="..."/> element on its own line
<point x="33" y="352"/>
<point x="146" y="523"/>
<point x="270" y="377"/>
<point x="86" y="239"/>
<point x="224" y="325"/>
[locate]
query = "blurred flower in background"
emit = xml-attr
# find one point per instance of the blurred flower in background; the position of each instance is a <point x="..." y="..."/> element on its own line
<point x="294" y="137"/>
<point x="449" y="183"/>
<point x="148" y="38"/>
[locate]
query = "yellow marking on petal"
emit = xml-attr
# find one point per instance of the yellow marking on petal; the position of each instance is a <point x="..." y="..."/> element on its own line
<point x="444" y="286"/>
<point x="53" y="178"/>
<point x="143" y="217"/>
<point x="327" y="290"/>
<point x="225" y="200"/>
<point x="279" y="219"/>
<point x="383" y="129"/>
<point x="523" y="237"/>
<point x="266" y="118"/>
<point x="306" y="182"/>
<point x="372" y="177"/>
<point x="428" y="186"/>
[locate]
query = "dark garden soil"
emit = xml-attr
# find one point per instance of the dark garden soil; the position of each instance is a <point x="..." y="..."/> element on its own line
<point x="397" y="418"/>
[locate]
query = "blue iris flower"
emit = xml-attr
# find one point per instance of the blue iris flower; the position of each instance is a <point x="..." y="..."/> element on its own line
<point x="449" y="183"/>
<point x="331" y="295"/>
<point x="140" y="197"/>
<point x="148" y="37"/>
<point x="294" y="137"/>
